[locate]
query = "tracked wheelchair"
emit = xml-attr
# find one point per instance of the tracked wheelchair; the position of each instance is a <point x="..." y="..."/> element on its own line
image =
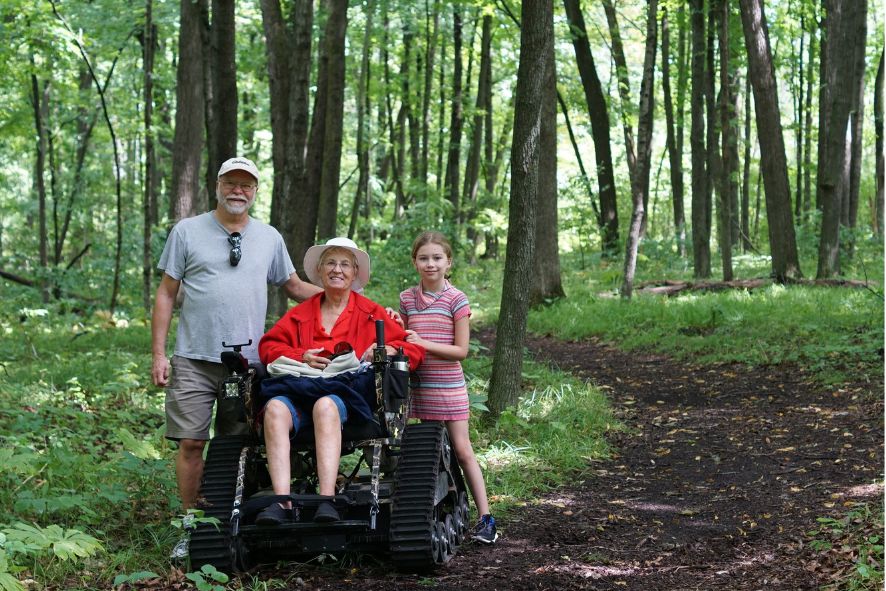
<point x="405" y="497"/>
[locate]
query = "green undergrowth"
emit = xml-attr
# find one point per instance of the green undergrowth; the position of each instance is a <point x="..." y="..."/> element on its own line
<point x="87" y="486"/>
<point x="549" y="440"/>
<point x="834" y="332"/>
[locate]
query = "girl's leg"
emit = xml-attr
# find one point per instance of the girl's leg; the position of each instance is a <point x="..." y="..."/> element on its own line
<point x="461" y="443"/>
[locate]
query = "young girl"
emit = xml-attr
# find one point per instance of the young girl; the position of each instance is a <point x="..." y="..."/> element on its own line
<point x="437" y="317"/>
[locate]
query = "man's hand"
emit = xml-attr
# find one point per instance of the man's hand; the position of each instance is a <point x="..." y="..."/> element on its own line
<point x="160" y="370"/>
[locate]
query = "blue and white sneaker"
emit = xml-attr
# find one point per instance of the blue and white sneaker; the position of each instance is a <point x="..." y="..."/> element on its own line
<point x="485" y="530"/>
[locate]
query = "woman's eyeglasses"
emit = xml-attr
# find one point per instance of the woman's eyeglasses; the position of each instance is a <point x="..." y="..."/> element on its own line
<point x="236" y="253"/>
<point x="345" y="266"/>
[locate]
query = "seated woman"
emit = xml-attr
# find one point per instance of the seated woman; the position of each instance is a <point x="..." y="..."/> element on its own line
<point x="311" y="333"/>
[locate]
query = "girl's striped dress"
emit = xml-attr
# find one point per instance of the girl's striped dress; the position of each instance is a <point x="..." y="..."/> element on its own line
<point x="441" y="394"/>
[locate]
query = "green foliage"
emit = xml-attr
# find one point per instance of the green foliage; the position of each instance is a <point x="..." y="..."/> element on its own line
<point x="134" y="577"/>
<point x="836" y="333"/>
<point x="854" y="538"/>
<point x="558" y="427"/>
<point x="207" y="578"/>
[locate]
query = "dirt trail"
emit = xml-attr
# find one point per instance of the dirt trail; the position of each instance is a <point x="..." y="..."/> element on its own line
<point x="721" y="471"/>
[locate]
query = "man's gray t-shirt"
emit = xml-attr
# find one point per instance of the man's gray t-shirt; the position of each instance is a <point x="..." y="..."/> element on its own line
<point x="222" y="303"/>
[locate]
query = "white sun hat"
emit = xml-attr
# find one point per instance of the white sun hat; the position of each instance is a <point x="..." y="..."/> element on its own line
<point x="312" y="258"/>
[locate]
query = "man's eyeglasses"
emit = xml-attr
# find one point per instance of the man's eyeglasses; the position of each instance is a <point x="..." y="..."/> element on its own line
<point x="344" y="265"/>
<point x="245" y="187"/>
<point x="236" y="254"/>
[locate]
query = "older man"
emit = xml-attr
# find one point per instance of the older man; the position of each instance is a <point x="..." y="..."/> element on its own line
<point x="222" y="260"/>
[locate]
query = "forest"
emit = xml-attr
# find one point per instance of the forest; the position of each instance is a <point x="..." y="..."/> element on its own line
<point x="656" y="208"/>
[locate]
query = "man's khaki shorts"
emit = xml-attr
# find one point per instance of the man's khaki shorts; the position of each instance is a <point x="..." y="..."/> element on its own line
<point x="192" y="391"/>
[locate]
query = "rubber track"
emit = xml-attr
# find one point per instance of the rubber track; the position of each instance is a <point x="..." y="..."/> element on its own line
<point x="211" y="545"/>
<point x="412" y="518"/>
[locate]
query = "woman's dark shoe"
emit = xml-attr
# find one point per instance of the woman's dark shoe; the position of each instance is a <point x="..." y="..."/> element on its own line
<point x="274" y="514"/>
<point x="326" y="513"/>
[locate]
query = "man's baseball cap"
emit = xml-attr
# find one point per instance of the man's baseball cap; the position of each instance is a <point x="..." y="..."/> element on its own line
<point x="239" y="163"/>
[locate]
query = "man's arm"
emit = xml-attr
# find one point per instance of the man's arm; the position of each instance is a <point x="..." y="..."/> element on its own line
<point x="160" y="321"/>
<point x="299" y="290"/>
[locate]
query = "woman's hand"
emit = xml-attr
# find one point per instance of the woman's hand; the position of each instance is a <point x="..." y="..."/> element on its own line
<point x="313" y="359"/>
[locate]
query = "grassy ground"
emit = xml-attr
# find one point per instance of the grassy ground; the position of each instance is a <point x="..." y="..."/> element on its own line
<point x="86" y="481"/>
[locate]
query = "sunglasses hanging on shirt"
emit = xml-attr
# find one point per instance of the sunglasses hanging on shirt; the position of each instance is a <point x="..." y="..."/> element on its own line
<point x="236" y="253"/>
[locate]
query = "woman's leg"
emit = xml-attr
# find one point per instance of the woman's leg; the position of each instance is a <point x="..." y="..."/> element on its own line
<point x="278" y="422"/>
<point x="327" y="439"/>
<point x="461" y="443"/>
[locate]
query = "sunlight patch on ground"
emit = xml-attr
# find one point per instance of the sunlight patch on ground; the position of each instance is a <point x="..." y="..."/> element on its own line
<point x="863" y="490"/>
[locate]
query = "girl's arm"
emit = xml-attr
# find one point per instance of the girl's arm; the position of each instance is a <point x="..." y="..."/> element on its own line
<point x="454" y="352"/>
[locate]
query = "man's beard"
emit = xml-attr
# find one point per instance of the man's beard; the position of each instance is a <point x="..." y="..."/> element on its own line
<point x="233" y="208"/>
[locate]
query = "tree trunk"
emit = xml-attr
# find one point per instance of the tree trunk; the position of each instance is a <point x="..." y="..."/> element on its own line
<point x="729" y="161"/>
<point x="701" y="207"/>
<point x="807" y="139"/>
<point x="798" y="121"/>
<point x="222" y="142"/>
<point x="878" y="128"/>
<point x="844" y="19"/>
<point x="149" y="46"/>
<point x="187" y="143"/>
<point x="472" y="167"/>
<point x="430" y="48"/>
<point x="293" y="208"/>
<point x="361" y="196"/>
<point x="745" y="225"/>
<point x="675" y="158"/>
<point x="782" y="240"/>
<point x="640" y="180"/>
<point x="40" y="104"/>
<point x="856" y="123"/>
<point x="599" y="115"/>
<point x="547" y="284"/>
<point x="451" y="184"/>
<point x="714" y="159"/>
<point x="336" y="25"/>
<point x="536" y="43"/>
<point x="624" y="87"/>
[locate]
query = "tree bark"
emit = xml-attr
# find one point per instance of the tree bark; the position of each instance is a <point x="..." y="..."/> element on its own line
<point x="844" y="20"/>
<point x="222" y="61"/>
<point x="472" y="167"/>
<point x="745" y="205"/>
<point x="701" y="206"/>
<point x="798" y="122"/>
<point x="624" y="87"/>
<point x="430" y="48"/>
<point x="361" y="196"/>
<point x="547" y="284"/>
<point x="878" y="128"/>
<point x="807" y="139"/>
<point x="149" y="46"/>
<point x="451" y="184"/>
<point x="729" y="161"/>
<point x="536" y="41"/>
<point x="675" y="158"/>
<point x="856" y="123"/>
<point x="782" y="240"/>
<point x="40" y="105"/>
<point x="336" y="25"/>
<point x="640" y="180"/>
<point x="187" y="143"/>
<point x="599" y="115"/>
